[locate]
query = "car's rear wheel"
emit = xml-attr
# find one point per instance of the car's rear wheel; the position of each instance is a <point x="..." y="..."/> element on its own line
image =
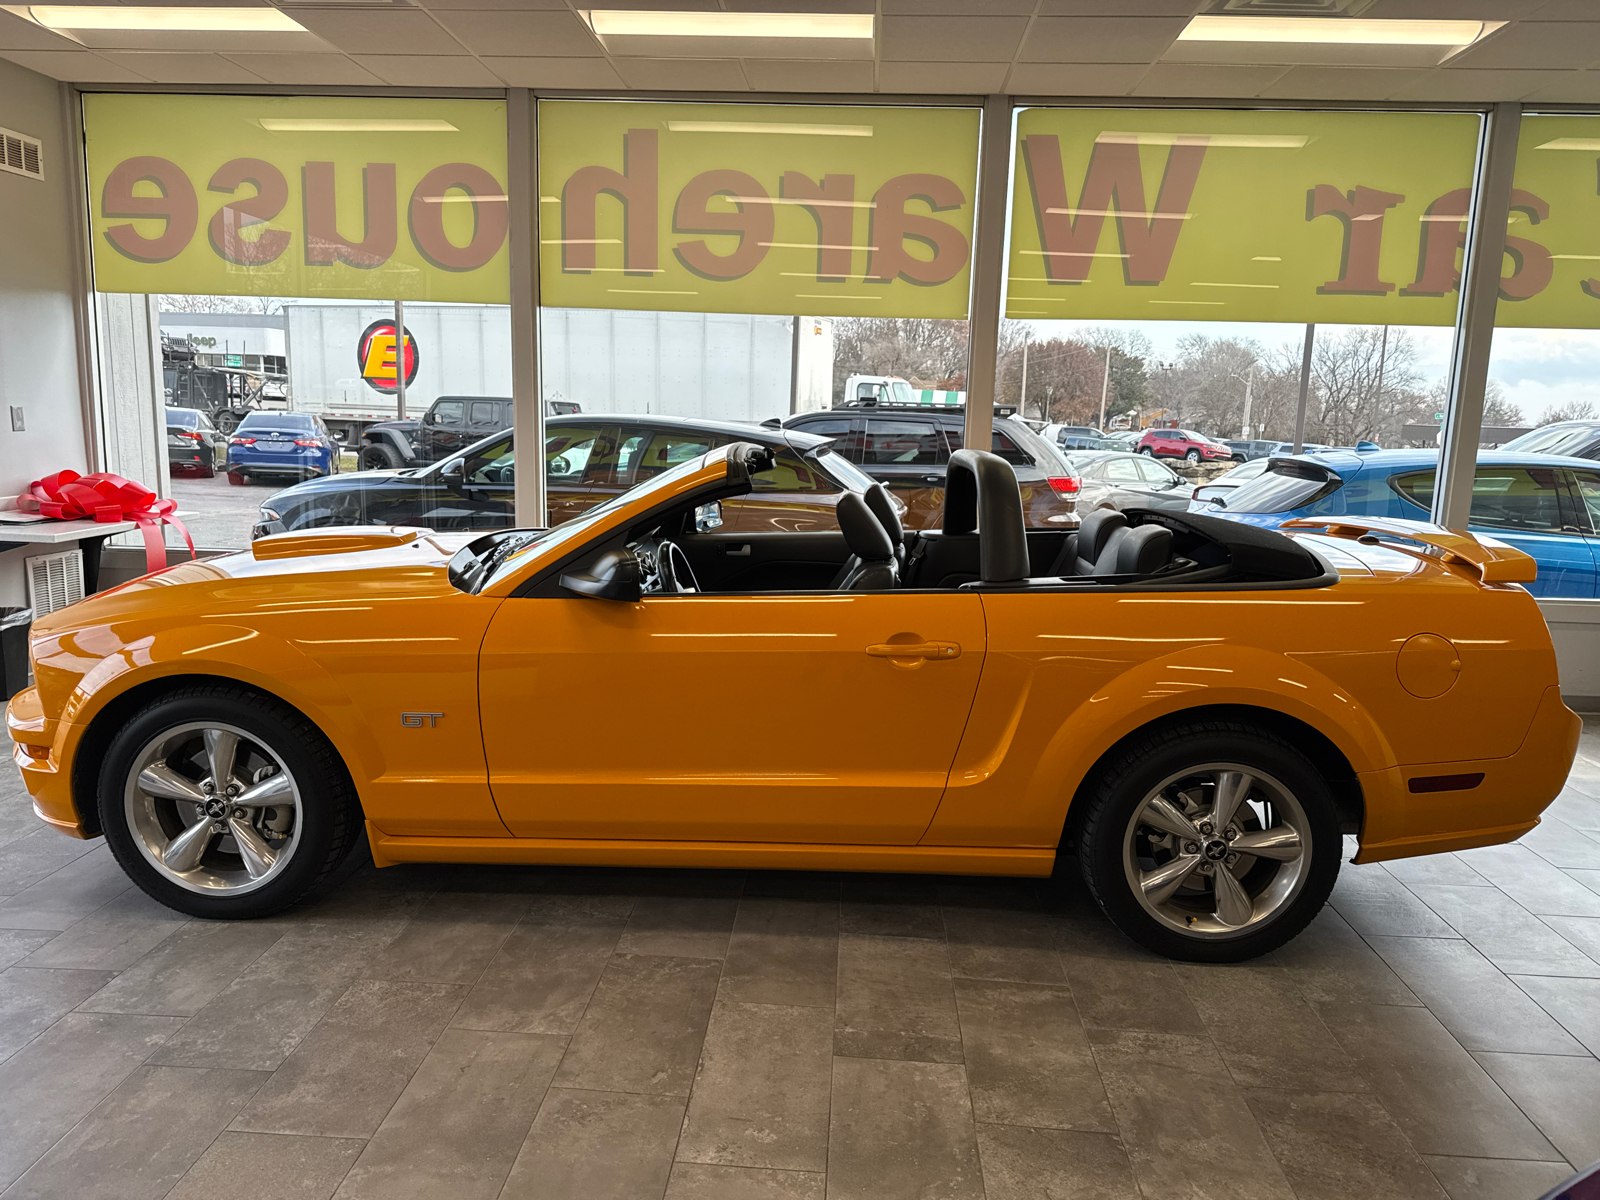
<point x="1212" y="842"/>
<point x="223" y="803"/>
<point x="378" y="457"/>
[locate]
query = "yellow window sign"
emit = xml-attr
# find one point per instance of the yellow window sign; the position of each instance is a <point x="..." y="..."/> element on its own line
<point x="1553" y="239"/>
<point x="351" y="197"/>
<point x="822" y="210"/>
<point x="1162" y="214"/>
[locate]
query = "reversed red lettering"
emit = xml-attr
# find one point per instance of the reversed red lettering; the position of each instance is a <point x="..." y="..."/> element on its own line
<point x="176" y="205"/>
<point x="892" y="226"/>
<point x="486" y="200"/>
<point x="635" y="186"/>
<point x="831" y="206"/>
<point x="229" y="222"/>
<point x="753" y="223"/>
<point x="325" y="245"/>
<point x="1360" y="211"/>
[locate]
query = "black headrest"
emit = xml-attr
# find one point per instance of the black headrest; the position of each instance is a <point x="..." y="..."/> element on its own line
<point x="866" y="537"/>
<point x="882" y="506"/>
<point x="1144" y="551"/>
<point x="1096" y="530"/>
<point x="981" y="493"/>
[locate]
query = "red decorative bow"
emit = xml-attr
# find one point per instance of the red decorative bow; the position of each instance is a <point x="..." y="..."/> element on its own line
<point x="107" y="498"/>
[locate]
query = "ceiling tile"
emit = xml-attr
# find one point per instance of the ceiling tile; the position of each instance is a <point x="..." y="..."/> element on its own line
<point x="74" y="66"/>
<point x="378" y="31"/>
<point x="313" y="69"/>
<point x="1100" y="39"/>
<point x="682" y="74"/>
<point x="422" y="70"/>
<point x="1342" y="83"/>
<point x="555" y="72"/>
<point x="951" y="39"/>
<point x="1479" y="87"/>
<point x="1074" y="79"/>
<point x="19" y="34"/>
<point x="518" y="5"/>
<point x="807" y="75"/>
<point x="1563" y="10"/>
<point x="1575" y="87"/>
<point x="1186" y="79"/>
<point x="1457" y="10"/>
<point x="926" y="78"/>
<point x="1535" y="45"/>
<point x="181" y="68"/>
<point x="1121" y="8"/>
<point x="534" y="34"/>
<point x="805" y="6"/>
<point x="958" y="8"/>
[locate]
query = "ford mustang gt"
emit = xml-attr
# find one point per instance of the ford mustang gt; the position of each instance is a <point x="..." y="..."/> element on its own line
<point x="1190" y="712"/>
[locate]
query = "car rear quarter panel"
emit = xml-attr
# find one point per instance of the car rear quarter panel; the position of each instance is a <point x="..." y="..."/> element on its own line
<point x="1067" y="676"/>
<point x="351" y="650"/>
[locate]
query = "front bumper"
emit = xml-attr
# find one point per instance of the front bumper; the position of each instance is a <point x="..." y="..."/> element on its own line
<point x="1504" y="805"/>
<point x="41" y="748"/>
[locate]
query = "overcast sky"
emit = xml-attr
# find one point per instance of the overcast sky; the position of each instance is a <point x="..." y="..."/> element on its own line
<point x="1539" y="368"/>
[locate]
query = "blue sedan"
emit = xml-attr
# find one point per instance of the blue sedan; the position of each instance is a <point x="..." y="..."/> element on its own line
<point x="1545" y="505"/>
<point x="282" y="445"/>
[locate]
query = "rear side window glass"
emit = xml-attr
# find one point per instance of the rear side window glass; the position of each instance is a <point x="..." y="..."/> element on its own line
<point x="1284" y="486"/>
<point x="1511" y="498"/>
<point x="1121" y="470"/>
<point x="903" y="443"/>
<point x="1589" y="494"/>
<point x="838" y="428"/>
<point x="485" y="412"/>
<point x="1009" y="450"/>
<point x="790" y="473"/>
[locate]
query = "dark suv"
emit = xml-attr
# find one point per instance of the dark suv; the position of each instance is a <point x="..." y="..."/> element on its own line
<point x="907" y="449"/>
<point x="451" y="423"/>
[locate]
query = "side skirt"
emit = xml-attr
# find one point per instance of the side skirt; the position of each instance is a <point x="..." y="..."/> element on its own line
<point x="388" y="850"/>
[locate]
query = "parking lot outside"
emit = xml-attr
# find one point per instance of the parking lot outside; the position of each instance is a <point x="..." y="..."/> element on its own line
<point x="219" y="514"/>
<point x="447" y="1032"/>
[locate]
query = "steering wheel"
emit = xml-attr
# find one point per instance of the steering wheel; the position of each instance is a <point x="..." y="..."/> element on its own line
<point x="675" y="574"/>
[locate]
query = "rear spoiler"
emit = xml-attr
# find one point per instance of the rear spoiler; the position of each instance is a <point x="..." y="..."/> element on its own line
<point x="1488" y="559"/>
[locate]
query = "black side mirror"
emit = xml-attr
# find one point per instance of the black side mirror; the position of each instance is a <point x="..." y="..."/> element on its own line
<point x="615" y="575"/>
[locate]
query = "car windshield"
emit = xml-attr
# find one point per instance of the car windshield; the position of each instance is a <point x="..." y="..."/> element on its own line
<point x="1557" y="439"/>
<point x="510" y="555"/>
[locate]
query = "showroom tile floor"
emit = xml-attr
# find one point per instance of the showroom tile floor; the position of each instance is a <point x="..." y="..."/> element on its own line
<point x="491" y="1032"/>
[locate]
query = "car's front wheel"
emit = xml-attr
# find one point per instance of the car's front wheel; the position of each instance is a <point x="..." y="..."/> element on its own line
<point x="223" y="803"/>
<point x="1147" y="451"/>
<point x="378" y="457"/>
<point x="1212" y="842"/>
<point x="1193" y="456"/>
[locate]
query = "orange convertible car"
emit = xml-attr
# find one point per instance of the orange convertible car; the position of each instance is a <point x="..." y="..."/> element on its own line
<point x="1192" y="709"/>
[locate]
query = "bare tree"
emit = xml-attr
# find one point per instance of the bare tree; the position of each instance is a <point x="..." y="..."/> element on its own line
<point x="1577" y="410"/>
<point x="186" y="303"/>
<point x="1366" y="386"/>
<point x="929" y="352"/>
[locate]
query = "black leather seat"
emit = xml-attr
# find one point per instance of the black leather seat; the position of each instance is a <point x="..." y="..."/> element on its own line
<point x="1084" y="549"/>
<point x="882" y="506"/>
<point x="872" y="565"/>
<point x="1106" y="544"/>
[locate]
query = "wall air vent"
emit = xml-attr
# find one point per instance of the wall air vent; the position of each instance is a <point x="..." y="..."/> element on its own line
<point x="1291" y="8"/>
<point x="21" y="154"/>
<point x="54" y="581"/>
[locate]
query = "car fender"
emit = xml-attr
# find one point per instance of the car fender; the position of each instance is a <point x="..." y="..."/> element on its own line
<point x="223" y="651"/>
<point x="396" y="439"/>
<point x="1023" y="762"/>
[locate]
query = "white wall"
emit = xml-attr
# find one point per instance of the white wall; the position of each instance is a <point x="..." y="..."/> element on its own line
<point x="38" y="344"/>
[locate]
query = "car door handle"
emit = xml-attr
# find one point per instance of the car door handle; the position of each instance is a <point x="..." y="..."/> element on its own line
<point x="915" y="650"/>
<point x="741" y="551"/>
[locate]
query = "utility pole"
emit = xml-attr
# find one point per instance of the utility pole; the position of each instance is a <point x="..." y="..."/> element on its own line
<point x="1022" y="403"/>
<point x="1049" y="398"/>
<point x="400" y="357"/>
<point x="1105" y="387"/>
<point x="1249" y="383"/>
<point x="1305" y="392"/>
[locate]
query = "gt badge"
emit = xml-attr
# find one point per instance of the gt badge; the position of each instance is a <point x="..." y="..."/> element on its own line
<point x="416" y="719"/>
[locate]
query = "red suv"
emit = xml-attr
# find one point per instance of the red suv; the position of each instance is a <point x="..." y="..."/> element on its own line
<point x="1182" y="443"/>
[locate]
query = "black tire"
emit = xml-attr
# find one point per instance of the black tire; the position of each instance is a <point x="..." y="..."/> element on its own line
<point x="377" y="457"/>
<point x="329" y="813"/>
<point x="1123" y="787"/>
<point x="1193" y="456"/>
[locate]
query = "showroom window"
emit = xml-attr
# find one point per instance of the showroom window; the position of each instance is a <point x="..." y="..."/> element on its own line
<point x="1544" y="373"/>
<point x="711" y="267"/>
<point x="1167" y="266"/>
<point x="264" y="262"/>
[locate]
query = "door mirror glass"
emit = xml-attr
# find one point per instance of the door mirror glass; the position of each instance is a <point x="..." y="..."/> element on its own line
<point x="615" y="575"/>
<point x="708" y="517"/>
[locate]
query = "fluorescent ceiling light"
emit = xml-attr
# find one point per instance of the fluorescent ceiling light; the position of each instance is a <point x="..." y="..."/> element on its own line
<point x="355" y="125"/>
<point x="1346" y="31"/>
<point x="633" y="23"/>
<point x="169" y="20"/>
<point x="769" y="127"/>
<point x="1571" y="144"/>
<point x="1251" y="141"/>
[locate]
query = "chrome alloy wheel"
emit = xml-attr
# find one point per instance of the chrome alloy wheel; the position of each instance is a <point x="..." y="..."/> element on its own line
<point x="1217" y="850"/>
<point x="213" y="808"/>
